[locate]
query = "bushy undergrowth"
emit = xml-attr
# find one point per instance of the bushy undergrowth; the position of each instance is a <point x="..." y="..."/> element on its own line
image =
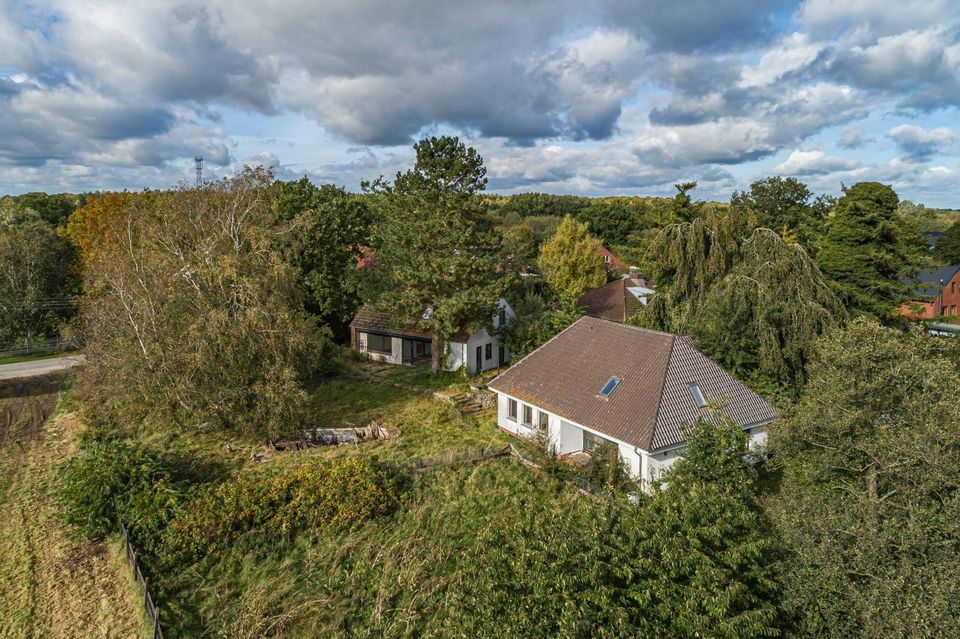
<point x="174" y="523"/>
<point x="110" y="481"/>
<point x="260" y="508"/>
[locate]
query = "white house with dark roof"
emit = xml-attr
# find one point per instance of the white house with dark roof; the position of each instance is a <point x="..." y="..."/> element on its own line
<point x="379" y="336"/>
<point x="602" y="381"/>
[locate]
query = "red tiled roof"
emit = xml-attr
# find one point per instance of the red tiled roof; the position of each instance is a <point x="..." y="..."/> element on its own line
<point x="651" y="404"/>
<point x="367" y="257"/>
<point x="614" y="260"/>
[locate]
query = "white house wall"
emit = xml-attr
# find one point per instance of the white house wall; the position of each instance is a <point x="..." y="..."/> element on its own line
<point x="396" y="348"/>
<point x="567" y="437"/>
<point x="456" y="356"/>
<point x="659" y="461"/>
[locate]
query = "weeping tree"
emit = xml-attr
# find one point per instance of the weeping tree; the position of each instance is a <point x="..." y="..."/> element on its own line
<point x="768" y="311"/>
<point x="686" y="260"/>
<point x="752" y="301"/>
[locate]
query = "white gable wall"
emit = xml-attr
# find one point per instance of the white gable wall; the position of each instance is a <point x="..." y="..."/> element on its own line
<point x="465" y="353"/>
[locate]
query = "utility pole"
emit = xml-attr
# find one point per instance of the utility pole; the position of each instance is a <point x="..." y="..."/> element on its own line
<point x="198" y="162"/>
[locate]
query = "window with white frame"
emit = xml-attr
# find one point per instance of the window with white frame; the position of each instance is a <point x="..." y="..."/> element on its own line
<point x="527" y="416"/>
<point x="512" y="410"/>
<point x="592" y="440"/>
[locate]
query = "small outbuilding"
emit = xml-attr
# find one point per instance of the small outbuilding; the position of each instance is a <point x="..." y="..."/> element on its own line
<point x="381" y="337"/>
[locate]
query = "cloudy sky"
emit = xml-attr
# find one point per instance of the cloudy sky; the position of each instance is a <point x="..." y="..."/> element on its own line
<point x="564" y="96"/>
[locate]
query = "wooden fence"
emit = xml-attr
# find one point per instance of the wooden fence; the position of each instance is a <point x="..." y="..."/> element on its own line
<point x="43" y="347"/>
<point x="153" y="614"/>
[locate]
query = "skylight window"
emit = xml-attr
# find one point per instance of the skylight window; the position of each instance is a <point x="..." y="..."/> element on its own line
<point x="698" y="399"/>
<point x="610" y="386"/>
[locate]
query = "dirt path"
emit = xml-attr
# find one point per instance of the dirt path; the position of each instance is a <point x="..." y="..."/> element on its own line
<point x="52" y="585"/>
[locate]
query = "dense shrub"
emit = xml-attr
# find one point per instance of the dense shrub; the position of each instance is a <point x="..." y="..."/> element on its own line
<point x="263" y="507"/>
<point x="606" y="470"/>
<point x="109" y="481"/>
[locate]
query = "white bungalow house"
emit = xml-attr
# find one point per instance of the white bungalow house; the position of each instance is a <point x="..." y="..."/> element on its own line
<point x="602" y="381"/>
<point x="380" y="337"/>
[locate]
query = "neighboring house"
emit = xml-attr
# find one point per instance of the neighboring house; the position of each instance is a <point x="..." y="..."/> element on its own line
<point x="936" y="294"/>
<point x="378" y="335"/>
<point x="617" y="301"/>
<point x="600" y="381"/>
<point x="612" y="262"/>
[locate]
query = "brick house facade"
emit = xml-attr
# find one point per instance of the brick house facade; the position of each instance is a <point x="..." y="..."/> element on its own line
<point x="937" y="294"/>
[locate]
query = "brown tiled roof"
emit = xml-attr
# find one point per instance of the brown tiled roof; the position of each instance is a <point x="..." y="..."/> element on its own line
<point x="652" y="402"/>
<point x="612" y="301"/>
<point x="369" y="318"/>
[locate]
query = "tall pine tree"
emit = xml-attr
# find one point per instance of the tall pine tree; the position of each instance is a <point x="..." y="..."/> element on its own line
<point x="436" y="250"/>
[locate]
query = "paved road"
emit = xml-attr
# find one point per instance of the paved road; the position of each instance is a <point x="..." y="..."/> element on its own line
<point x="39" y="366"/>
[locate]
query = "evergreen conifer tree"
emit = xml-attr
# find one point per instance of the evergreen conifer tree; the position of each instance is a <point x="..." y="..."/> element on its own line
<point x="867" y="248"/>
<point x="704" y="563"/>
<point x="948" y="248"/>
<point x="436" y="250"/>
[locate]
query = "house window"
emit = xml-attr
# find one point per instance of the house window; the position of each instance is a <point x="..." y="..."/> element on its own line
<point x="698" y="399"/>
<point x="503" y="318"/>
<point x="543" y="420"/>
<point x="512" y="409"/>
<point x="953" y="287"/>
<point x="488" y="351"/>
<point x="527" y="415"/>
<point x="379" y="343"/>
<point x="591" y="441"/>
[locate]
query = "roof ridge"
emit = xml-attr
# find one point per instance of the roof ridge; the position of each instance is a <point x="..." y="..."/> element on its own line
<point x="623" y="297"/>
<point x="524" y="358"/>
<point x="663" y="384"/>
<point x="636" y="328"/>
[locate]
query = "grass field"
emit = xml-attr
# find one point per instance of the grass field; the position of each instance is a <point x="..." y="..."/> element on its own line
<point x="51" y="584"/>
<point x="393" y="576"/>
